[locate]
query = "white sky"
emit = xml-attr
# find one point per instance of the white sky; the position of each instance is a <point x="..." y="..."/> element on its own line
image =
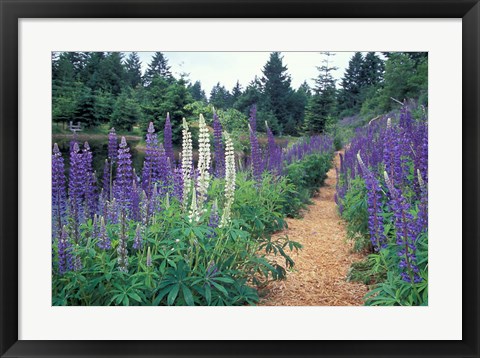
<point x="228" y="67"/>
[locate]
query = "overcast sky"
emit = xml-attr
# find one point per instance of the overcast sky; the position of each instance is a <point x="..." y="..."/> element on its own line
<point x="228" y="67"/>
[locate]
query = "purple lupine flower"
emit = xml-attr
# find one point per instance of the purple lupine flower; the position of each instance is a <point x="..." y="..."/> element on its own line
<point x="391" y="155"/>
<point x="422" y="215"/>
<point x="167" y="140"/>
<point x="164" y="172"/>
<point x="90" y="182"/>
<point x="112" y="211"/>
<point x="253" y="118"/>
<point x="150" y="173"/>
<point x="73" y="140"/>
<point x="122" y="252"/>
<point x="375" y="211"/>
<point x="135" y="201"/>
<point x="123" y="181"/>
<point x="59" y="194"/>
<point x="65" y="258"/>
<point x="219" y="149"/>
<point x="106" y="180"/>
<point x="112" y="145"/>
<point x="405" y="232"/>
<point x="76" y="189"/>
<point x="256" y="155"/>
<point x="138" y="241"/>
<point x="178" y="183"/>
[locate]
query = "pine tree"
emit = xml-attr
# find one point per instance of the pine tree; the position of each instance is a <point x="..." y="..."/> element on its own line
<point x="220" y="97"/>
<point x="157" y="67"/>
<point x="236" y="92"/>
<point x="198" y="94"/>
<point x="322" y="104"/>
<point x="276" y="89"/>
<point x="372" y="70"/>
<point x="133" y="69"/>
<point x="353" y="81"/>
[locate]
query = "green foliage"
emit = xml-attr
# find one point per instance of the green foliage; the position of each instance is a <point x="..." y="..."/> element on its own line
<point x="323" y="103"/>
<point x="356" y="214"/>
<point x="305" y="177"/>
<point x="127" y="111"/>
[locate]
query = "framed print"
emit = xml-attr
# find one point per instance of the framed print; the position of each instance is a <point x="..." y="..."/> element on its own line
<point x="278" y="165"/>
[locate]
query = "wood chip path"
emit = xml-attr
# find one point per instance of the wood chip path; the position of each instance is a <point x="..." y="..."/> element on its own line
<point x="319" y="275"/>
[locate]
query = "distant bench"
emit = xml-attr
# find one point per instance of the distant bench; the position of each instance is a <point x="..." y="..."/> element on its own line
<point x="75" y="127"/>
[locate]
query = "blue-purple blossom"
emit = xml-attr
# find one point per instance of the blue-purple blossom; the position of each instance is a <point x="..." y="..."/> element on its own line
<point x="375" y="210"/>
<point x="112" y="145"/>
<point x="167" y="140"/>
<point x="65" y="258"/>
<point x="76" y="189"/>
<point x="59" y="194"/>
<point x="123" y="181"/>
<point x="405" y="232"/>
<point x="150" y="173"/>
<point x="219" y="149"/>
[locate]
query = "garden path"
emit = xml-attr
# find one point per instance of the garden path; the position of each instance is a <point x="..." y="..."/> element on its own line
<point x="321" y="267"/>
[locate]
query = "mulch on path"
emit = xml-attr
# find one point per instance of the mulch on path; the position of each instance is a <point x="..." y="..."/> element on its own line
<point x="319" y="275"/>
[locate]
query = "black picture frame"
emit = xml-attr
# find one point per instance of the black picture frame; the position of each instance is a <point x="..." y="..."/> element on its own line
<point x="11" y="11"/>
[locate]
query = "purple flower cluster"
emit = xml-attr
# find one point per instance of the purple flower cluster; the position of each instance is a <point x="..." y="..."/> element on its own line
<point x="123" y="181"/>
<point x="219" y="149"/>
<point x="150" y="173"/>
<point x="59" y="194"/>
<point x="256" y="155"/>
<point x="167" y="140"/>
<point x="64" y="253"/>
<point x="375" y="210"/>
<point x="406" y="233"/>
<point x="393" y="165"/>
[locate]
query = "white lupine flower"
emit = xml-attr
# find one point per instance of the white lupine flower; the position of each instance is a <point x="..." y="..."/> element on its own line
<point x="186" y="161"/>
<point x="193" y="215"/>
<point x="229" y="179"/>
<point x="204" y="158"/>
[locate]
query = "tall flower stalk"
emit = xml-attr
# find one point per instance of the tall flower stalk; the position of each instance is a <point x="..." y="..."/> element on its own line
<point x="123" y="181"/>
<point x="76" y="189"/>
<point x="374" y="203"/>
<point x="204" y="159"/>
<point x="219" y="148"/>
<point x="59" y="194"/>
<point x="230" y="176"/>
<point x="167" y="140"/>
<point x="150" y="173"/>
<point x="187" y="162"/>
<point x="405" y="232"/>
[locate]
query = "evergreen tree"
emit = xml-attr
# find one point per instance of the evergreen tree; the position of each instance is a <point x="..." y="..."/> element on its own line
<point x="133" y="69"/>
<point x="321" y="107"/>
<point x="127" y="111"/>
<point x="353" y="81"/>
<point x="85" y="109"/>
<point x="252" y="95"/>
<point x="372" y="70"/>
<point x="157" y="67"/>
<point x="220" y="97"/>
<point x="236" y="92"/>
<point x="198" y="94"/>
<point x="276" y="90"/>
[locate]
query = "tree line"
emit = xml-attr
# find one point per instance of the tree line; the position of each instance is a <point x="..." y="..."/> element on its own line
<point x="109" y="87"/>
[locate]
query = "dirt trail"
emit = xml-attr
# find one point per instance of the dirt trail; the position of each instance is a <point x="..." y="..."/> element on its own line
<point x="321" y="266"/>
